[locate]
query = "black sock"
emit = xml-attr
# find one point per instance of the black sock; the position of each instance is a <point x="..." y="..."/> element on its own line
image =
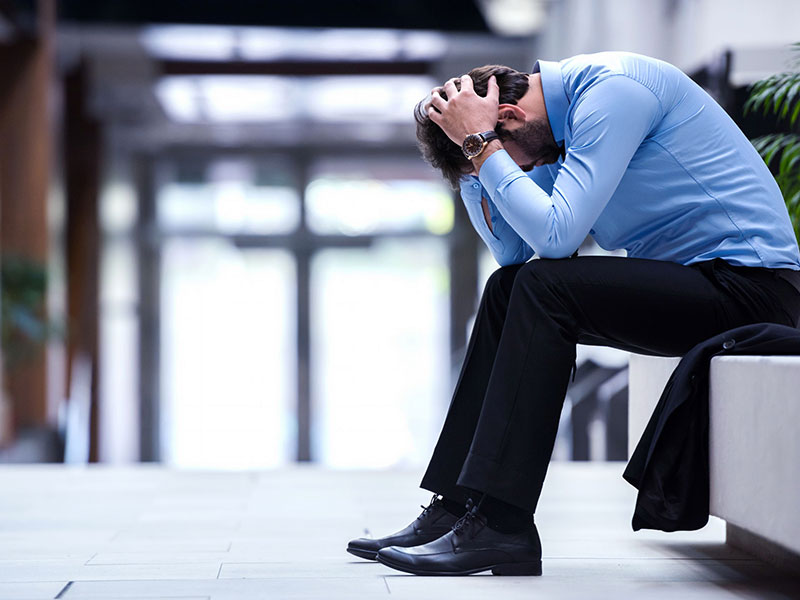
<point x="504" y="517"/>
<point x="455" y="508"/>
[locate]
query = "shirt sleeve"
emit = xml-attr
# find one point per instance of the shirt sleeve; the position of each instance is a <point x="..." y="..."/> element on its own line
<point x="608" y="123"/>
<point x="505" y="244"/>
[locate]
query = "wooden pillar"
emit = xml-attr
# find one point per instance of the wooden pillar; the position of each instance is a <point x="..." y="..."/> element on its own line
<point x="82" y="143"/>
<point x="25" y="157"/>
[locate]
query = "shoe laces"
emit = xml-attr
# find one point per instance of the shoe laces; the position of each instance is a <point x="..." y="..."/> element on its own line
<point x="426" y="510"/>
<point x="462" y="525"/>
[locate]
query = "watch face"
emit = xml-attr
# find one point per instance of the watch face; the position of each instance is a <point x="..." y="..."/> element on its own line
<point x="473" y="144"/>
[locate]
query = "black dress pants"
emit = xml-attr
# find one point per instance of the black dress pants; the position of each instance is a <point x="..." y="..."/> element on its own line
<point x="501" y="426"/>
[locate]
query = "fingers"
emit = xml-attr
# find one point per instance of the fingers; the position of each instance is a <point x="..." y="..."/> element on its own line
<point x="493" y="90"/>
<point x="438" y="102"/>
<point x="435" y="116"/>
<point x="435" y="93"/>
<point x="465" y="84"/>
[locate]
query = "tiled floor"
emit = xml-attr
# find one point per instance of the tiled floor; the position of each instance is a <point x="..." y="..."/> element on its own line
<point x="149" y="532"/>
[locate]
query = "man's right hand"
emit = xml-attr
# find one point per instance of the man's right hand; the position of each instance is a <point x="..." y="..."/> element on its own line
<point x="464" y="112"/>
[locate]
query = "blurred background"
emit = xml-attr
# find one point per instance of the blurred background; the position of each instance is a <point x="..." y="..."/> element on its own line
<point x="220" y="248"/>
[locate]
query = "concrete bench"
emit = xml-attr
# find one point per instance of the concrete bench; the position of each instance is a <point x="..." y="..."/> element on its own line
<point x="754" y="446"/>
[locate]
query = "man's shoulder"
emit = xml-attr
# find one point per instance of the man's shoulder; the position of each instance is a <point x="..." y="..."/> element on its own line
<point x="583" y="71"/>
<point x="610" y="62"/>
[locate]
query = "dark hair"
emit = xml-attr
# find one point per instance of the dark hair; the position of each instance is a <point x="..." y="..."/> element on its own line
<point x="438" y="149"/>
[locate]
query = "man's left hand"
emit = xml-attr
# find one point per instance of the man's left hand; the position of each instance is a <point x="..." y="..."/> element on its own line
<point x="464" y="111"/>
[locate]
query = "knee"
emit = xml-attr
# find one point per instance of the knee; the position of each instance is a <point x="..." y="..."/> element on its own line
<point x="543" y="277"/>
<point x="543" y="270"/>
<point x="533" y="272"/>
<point x="502" y="280"/>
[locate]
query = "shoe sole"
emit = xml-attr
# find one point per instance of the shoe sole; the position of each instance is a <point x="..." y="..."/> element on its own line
<point x="366" y="554"/>
<point x="521" y="568"/>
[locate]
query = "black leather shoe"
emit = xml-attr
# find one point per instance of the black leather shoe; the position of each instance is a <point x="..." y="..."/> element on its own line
<point x="470" y="547"/>
<point x="433" y="523"/>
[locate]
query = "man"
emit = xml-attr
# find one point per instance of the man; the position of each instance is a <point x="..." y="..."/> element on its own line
<point x="629" y="150"/>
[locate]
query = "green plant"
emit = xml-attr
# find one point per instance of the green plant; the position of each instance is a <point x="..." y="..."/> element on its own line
<point x="779" y="94"/>
<point x="23" y="325"/>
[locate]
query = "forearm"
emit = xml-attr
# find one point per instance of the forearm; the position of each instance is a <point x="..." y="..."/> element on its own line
<point x="490" y="149"/>
<point x="608" y="125"/>
<point x="550" y="227"/>
<point x="506" y="246"/>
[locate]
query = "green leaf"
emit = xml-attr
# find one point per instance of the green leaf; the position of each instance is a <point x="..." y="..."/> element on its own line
<point x="763" y="92"/>
<point x="788" y="91"/>
<point x="789" y="158"/>
<point x="793" y="203"/>
<point x="791" y="95"/>
<point x="771" y="93"/>
<point x="769" y="151"/>
<point x="780" y="94"/>
<point x="795" y="113"/>
<point x="762" y="142"/>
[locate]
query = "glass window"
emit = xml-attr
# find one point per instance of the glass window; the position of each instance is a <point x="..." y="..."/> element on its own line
<point x="380" y="347"/>
<point x="351" y="206"/>
<point x="227" y="355"/>
<point x="278" y="99"/>
<point x="119" y="350"/>
<point x="231" y="197"/>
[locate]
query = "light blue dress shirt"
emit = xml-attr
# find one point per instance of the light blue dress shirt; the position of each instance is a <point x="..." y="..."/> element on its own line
<point x="652" y="165"/>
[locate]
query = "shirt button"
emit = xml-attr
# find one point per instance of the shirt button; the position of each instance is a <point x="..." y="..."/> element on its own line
<point x="591" y="231"/>
<point x="476" y="185"/>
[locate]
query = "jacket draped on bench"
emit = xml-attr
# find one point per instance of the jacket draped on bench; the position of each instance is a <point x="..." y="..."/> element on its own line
<point x="669" y="466"/>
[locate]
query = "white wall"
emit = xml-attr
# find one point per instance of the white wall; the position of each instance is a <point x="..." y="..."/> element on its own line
<point x="687" y="33"/>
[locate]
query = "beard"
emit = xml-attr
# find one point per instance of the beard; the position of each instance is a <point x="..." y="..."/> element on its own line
<point x="535" y="139"/>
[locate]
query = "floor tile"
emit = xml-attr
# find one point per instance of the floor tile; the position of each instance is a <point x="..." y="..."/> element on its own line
<point x="148" y="532"/>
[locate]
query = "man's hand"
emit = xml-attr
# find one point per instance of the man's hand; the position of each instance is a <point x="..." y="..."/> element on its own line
<point x="464" y="112"/>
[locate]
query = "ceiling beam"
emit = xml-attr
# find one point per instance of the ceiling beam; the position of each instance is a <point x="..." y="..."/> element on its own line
<point x="442" y="15"/>
<point x="294" y="68"/>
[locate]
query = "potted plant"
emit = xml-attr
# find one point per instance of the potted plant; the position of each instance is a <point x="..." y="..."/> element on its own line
<point x="24" y="327"/>
<point x="779" y="94"/>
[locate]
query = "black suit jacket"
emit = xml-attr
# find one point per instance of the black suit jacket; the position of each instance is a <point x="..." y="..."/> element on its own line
<point x="670" y="464"/>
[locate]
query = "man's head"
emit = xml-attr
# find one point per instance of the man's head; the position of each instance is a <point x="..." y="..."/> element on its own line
<point x="522" y="124"/>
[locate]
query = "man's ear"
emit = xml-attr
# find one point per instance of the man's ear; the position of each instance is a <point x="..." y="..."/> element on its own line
<point x="508" y="113"/>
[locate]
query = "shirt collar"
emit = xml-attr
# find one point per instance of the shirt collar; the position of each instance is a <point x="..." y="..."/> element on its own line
<point x="555" y="98"/>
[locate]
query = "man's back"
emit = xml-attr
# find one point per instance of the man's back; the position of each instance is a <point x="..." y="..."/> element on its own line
<point x="695" y="188"/>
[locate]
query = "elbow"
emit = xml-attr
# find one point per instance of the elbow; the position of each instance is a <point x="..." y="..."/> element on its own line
<point x="519" y="256"/>
<point x="558" y="249"/>
<point x="556" y="253"/>
<point x="560" y="238"/>
<point x="507" y="261"/>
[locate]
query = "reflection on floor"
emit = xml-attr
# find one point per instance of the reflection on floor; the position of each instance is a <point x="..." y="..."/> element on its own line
<point x="149" y="532"/>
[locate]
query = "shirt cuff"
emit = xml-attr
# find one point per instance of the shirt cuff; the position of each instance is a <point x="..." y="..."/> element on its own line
<point x="496" y="168"/>
<point x="470" y="188"/>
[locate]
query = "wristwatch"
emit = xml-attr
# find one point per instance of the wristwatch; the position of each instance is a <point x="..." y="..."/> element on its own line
<point x="474" y="143"/>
